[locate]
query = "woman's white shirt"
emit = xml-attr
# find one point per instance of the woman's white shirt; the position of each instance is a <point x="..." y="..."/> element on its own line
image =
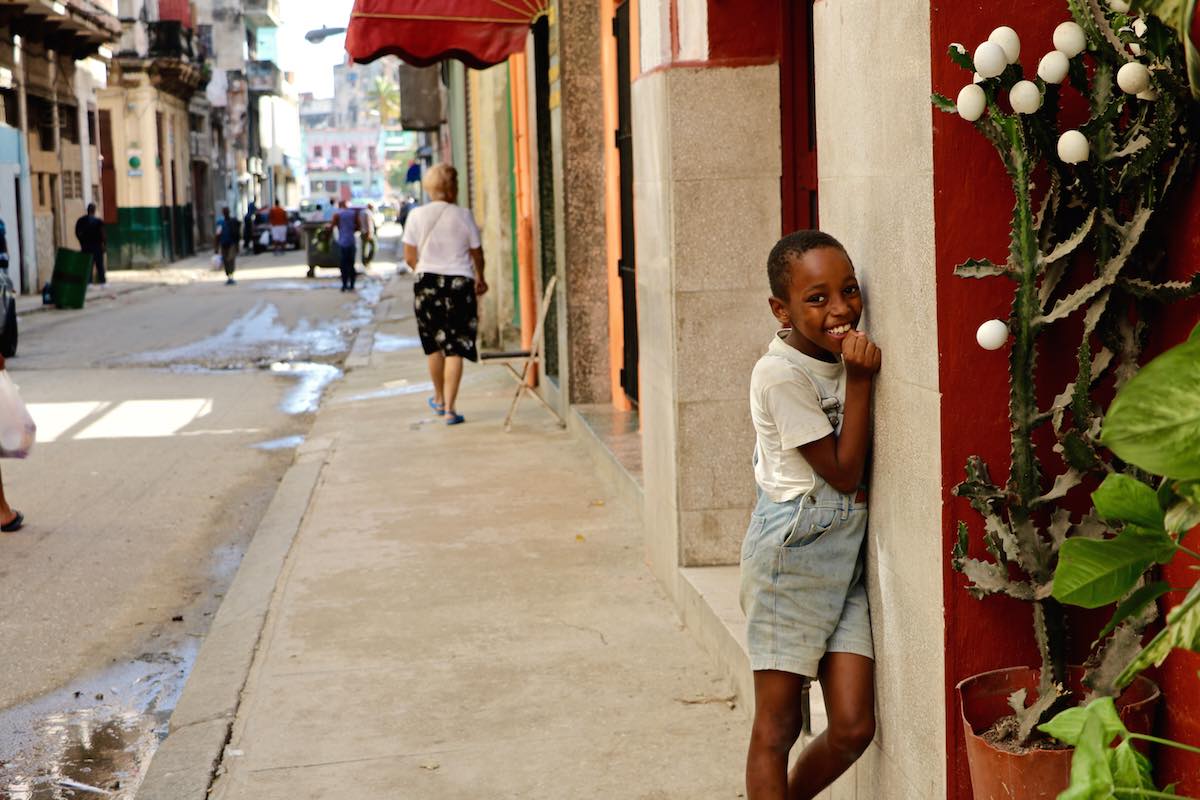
<point x="444" y="234"/>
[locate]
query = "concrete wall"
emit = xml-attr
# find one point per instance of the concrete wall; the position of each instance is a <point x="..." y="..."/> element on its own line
<point x="492" y="178"/>
<point x="874" y="137"/>
<point x="707" y="212"/>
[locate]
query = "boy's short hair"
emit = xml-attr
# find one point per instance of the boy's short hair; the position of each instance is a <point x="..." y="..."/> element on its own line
<point x="795" y="245"/>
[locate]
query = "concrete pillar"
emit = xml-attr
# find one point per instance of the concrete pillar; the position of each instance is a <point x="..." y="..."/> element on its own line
<point x="583" y="343"/>
<point x="706" y="194"/>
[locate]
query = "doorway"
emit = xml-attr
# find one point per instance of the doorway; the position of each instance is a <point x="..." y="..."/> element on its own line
<point x="545" y="188"/>
<point x="627" y="264"/>
<point x="798" y="184"/>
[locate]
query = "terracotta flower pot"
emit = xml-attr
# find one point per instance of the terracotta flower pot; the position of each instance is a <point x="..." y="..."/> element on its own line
<point x="1037" y="774"/>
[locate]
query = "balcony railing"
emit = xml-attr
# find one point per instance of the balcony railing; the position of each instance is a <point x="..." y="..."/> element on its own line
<point x="169" y="39"/>
<point x="262" y="13"/>
<point x="264" y="76"/>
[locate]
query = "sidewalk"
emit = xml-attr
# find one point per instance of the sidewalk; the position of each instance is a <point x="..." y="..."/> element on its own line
<point x="462" y="613"/>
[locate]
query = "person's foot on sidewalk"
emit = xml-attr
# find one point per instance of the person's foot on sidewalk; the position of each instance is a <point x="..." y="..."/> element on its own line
<point x="438" y="408"/>
<point x="454" y="418"/>
<point x="230" y="282"/>
<point x="14" y="523"/>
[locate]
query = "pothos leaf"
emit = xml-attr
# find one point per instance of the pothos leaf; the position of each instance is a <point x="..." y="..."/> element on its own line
<point x="1068" y="726"/>
<point x="1126" y="499"/>
<point x="1154" y="421"/>
<point x="1093" y="573"/>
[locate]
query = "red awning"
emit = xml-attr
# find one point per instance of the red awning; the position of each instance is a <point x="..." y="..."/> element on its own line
<point x="479" y="33"/>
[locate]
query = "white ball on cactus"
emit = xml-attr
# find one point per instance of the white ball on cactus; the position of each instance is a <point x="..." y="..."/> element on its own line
<point x="1133" y="77"/>
<point x="971" y="102"/>
<point x="1025" y="97"/>
<point x="1009" y="42"/>
<point x="992" y="335"/>
<point x="990" y="59"/>
<point x="1119" y="6"/>
<point x="1053" y="67"/>
<point x="1069" y="39"/>
<point x="1073" y="147"/>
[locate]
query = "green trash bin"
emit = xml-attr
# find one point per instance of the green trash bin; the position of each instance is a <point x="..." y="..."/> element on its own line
<point x="70" y="280"/>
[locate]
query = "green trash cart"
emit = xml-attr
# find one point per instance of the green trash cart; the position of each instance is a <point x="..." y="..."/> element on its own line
<point x="72" y="271"/>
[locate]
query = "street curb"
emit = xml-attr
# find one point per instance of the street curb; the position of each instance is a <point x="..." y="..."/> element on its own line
<point x="185" y="763"/>
<point x="41" y="307"/>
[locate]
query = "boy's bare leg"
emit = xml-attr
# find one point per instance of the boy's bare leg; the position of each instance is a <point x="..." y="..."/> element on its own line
<point x="437" y="374"/>
<point x="848" y="686"/>
<point x="777" y="722"/>
<point x="454" y="371"/>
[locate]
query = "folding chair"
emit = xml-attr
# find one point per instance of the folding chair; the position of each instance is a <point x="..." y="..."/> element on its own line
<point x="531" y="357"/>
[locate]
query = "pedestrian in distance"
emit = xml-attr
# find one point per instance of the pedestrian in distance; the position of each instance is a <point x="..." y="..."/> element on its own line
<point x="277" y="218"/>
<point x="368" y="235"/>
<point x="441" y="244"/>
<point x="11" y="520"/>
<point x="3" y="246"/>
<point x="225" y="242"/>
<point x="345" y="223"/>
<point x="802" y="565"/>
<point x="89" y="230"/>
<point x="248" y="227"/>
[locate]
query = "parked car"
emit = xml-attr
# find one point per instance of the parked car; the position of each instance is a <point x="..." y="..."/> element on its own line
<point x="8" y="301"/>
<point x="295" y="239"/>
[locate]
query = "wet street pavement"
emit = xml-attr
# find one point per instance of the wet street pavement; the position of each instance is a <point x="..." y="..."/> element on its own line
<point x="166" y="417"/>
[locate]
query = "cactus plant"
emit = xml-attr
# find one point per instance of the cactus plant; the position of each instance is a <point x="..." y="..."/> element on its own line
<point x="1078" y="250"/>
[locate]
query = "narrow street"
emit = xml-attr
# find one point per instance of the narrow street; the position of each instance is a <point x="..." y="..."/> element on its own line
<point x="166" y="417"/>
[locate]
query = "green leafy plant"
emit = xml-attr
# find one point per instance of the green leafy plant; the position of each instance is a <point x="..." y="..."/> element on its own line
<point x="1154" y="423"/>
<point x="1078" y="250"/>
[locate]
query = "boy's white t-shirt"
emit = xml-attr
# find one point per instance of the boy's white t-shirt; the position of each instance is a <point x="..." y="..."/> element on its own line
<point x="452" y="233"/>
<point x="786" y="411"/>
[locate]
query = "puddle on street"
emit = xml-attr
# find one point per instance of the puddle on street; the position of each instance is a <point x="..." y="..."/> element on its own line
<point x="286" y="443"/>
<point x="387" y="343"/>
<point x="97" y="734"/>
<point x="305" y="396"/>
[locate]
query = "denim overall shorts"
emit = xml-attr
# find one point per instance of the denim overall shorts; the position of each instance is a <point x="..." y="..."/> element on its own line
<point x="802" y="586"/>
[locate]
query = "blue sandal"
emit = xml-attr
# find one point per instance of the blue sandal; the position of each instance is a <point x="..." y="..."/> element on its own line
<point x="438" y="408"/>
<point x="455" y="419"/>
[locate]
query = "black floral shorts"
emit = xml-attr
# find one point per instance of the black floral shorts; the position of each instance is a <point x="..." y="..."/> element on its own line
<point x="447" y="315"/>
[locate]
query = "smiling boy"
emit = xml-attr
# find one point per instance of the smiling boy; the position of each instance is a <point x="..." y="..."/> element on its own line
<point x="802" y="569"/>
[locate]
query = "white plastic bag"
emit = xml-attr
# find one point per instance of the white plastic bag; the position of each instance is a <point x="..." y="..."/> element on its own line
<point x="265" y="239"/>
<point x="17" y="429"/>
<point x="217" y="261"/>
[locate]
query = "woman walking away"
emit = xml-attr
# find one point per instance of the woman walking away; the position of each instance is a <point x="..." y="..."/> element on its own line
<point x="802" y="564"/>
<point x="441" y="244"/>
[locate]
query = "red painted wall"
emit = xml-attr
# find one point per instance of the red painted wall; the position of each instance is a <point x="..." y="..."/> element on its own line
<point x="1179" y="718"/>
<point x="972" y="203"/>
<point x="744" y="32"/>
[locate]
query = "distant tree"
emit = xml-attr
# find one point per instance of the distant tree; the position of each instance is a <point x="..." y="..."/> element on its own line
<point x="384" y="97"/>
